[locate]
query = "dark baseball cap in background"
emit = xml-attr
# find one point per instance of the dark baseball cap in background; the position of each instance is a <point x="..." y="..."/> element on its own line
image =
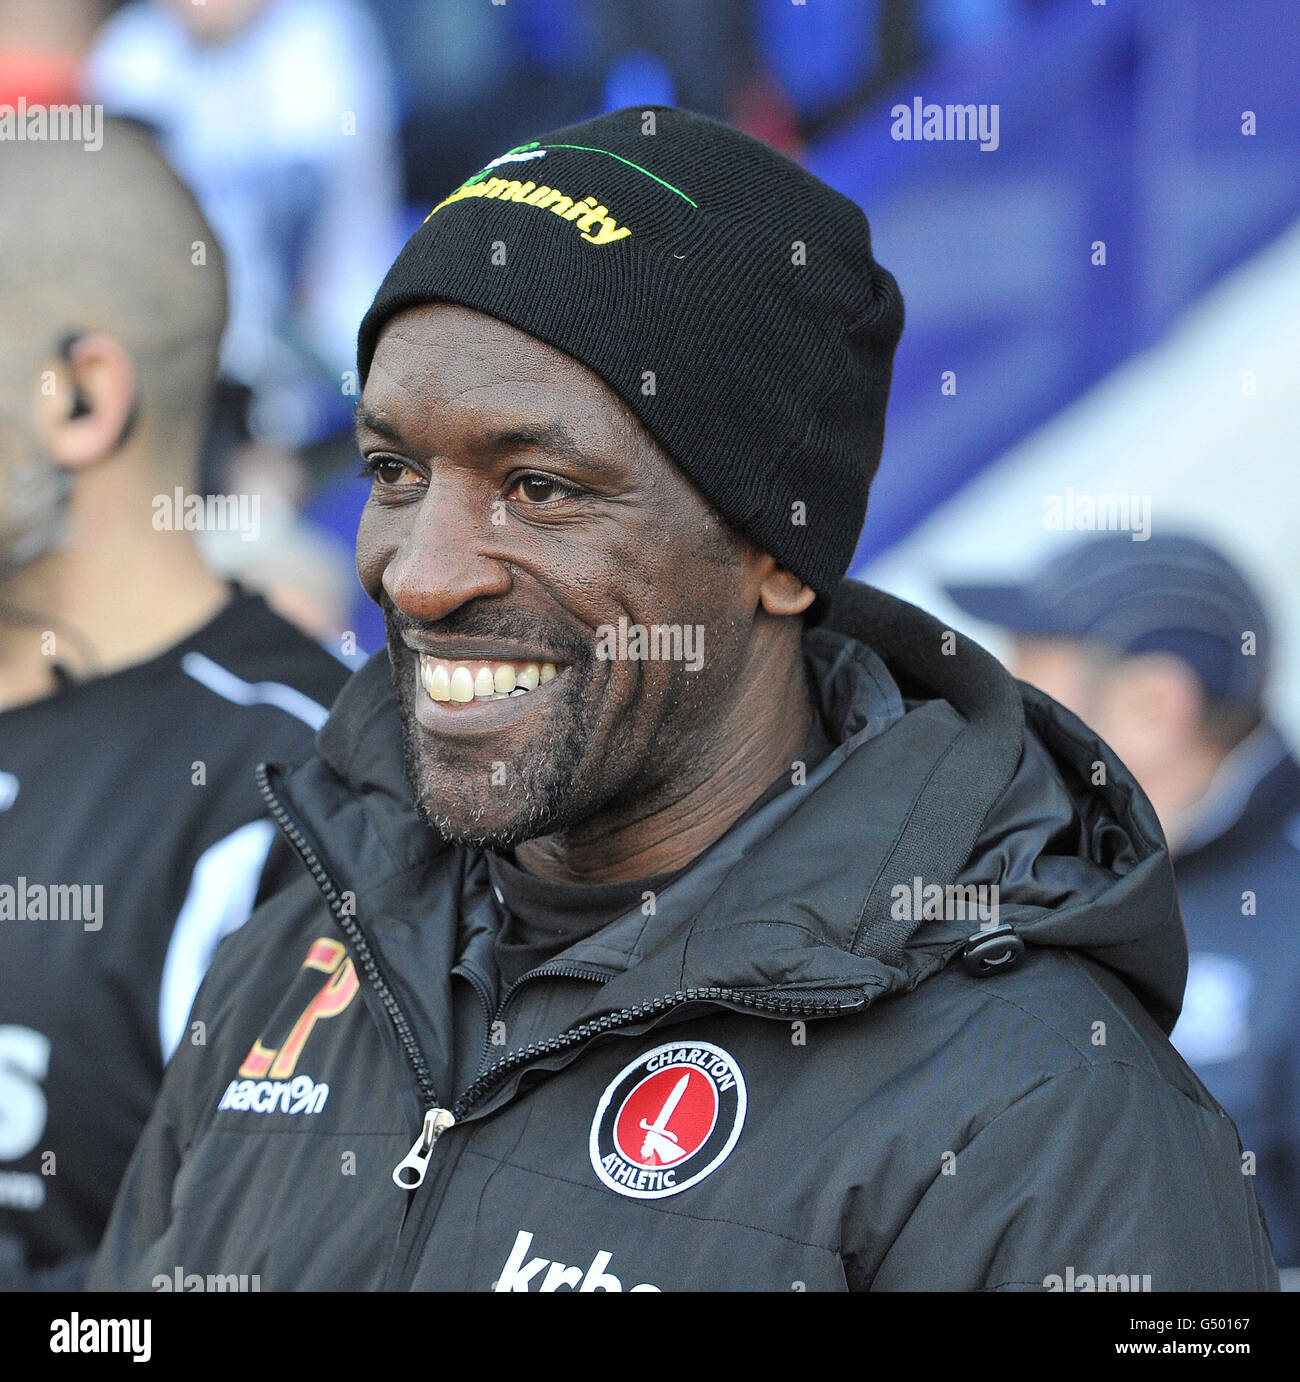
<point x="1170" y="594"/>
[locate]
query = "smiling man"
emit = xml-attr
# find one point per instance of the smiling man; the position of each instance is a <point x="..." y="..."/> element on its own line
<point x="811" y="952"/>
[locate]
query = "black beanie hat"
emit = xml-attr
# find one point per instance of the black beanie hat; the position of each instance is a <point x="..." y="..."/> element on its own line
<point x="726" y="295"/>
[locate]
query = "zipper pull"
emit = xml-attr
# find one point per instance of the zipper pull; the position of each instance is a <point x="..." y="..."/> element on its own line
<point x="408" y="1174"/>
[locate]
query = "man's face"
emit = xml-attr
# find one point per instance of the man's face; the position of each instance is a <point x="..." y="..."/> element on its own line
<point x="1094" y="685"/>
<point x="15" y="452"/>
<point x="215" y="21"/>
<point x="1061" y="668"/>
<point x="1148" y="707"/>
<point x="32" y="487"/>
<point x="518" y="513"/>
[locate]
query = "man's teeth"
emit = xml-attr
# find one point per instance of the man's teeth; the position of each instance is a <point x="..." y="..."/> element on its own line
<point x="487" y="681"/>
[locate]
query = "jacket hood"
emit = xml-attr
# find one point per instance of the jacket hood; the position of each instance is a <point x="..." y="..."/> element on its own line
<point x="947" y="773"/>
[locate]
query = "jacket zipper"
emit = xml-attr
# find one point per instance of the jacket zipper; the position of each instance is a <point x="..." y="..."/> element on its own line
<point x="485" y="998"/>
<point x="410" y="1171"/>
<point x="609" y="1022"/>
<point x="403" y="1270"/>
<point x="565" y="969"/>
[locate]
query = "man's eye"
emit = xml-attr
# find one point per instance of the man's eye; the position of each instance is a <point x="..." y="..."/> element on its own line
<point x="386" y="470"/>
<point x="538" y="489"/>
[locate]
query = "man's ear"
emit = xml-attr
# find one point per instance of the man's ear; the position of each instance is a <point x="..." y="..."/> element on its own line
<point x="782" y="592"/>
<point x="87" y="415"/>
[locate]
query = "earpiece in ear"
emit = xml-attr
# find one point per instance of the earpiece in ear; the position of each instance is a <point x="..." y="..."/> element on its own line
<point x="79" y="405"/>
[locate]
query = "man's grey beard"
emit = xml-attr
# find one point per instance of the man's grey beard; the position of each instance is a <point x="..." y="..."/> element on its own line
<point x="540" y="799"/>
<point x="574" y="774"/>
<point x="35" y="515"/>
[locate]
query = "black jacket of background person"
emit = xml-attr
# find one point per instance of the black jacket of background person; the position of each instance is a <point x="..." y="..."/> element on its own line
<point x="141" y="783"/>
<point x="1240" y="1026"/>
<point x="843" y="1103"/>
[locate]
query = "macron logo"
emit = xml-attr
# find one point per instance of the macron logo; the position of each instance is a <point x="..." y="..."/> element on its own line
<point x="521" y="1271"/>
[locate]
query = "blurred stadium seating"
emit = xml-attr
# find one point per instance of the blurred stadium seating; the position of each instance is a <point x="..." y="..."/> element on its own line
<point x="1120" y="122"/>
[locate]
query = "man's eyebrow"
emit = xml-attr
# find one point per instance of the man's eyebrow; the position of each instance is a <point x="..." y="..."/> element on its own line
<point x="372" y="422"/>
<point x="553" y="437"/>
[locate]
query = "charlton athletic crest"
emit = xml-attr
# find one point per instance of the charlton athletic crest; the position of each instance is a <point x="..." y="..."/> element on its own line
<point x="668" y="1120"/>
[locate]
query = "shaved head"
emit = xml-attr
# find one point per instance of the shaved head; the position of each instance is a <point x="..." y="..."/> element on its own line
<point x="110" y="241"/>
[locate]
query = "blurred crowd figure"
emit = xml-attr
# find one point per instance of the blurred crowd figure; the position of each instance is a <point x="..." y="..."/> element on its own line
<point x="1163" y="647"/>
<point x="280" y="114"/>
<point x="138" y="688"/>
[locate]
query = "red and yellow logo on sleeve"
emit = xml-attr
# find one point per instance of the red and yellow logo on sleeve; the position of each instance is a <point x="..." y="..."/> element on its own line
<point x="325" y="956"/>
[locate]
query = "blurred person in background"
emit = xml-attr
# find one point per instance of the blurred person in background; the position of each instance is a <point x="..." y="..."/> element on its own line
<point x="1162" y="647"/>
<point x="43" y="48"/>
<point x="138" y="690"/>
<point x="479" y="78"/>
<point x="280" y="115"/>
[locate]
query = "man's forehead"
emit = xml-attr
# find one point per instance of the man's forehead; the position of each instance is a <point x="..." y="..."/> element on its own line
<point x="445" y="329"/>
<point x="494" y="413"/>
<point x="402" y="397"/>
<point x="378" y="416"/>
<point x="485" y="369"/>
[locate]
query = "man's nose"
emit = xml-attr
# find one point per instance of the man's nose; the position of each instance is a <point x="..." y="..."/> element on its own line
<point x="441" y="564"/>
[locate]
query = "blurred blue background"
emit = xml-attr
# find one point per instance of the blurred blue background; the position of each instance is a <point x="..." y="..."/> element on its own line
<point x="318" y="132"/>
